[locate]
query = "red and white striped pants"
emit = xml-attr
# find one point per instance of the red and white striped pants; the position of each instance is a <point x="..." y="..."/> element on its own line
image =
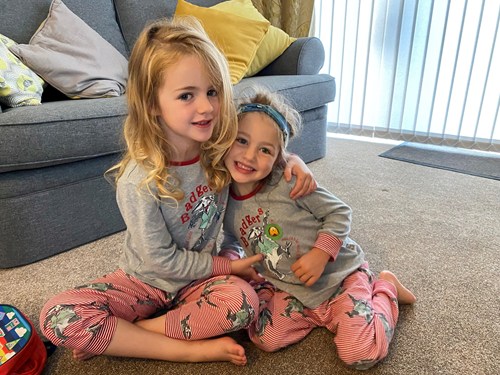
<point x="85" y="318"/>
<point x="362" y="315"/>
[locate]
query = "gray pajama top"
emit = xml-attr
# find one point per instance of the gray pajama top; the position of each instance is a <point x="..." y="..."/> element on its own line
<point x="169" y="244"/>
<point x="268" y="221"/>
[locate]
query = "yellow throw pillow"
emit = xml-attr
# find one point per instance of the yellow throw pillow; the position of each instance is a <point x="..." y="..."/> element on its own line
<point x="237" y="37"/>
<point x="275" y="42"/>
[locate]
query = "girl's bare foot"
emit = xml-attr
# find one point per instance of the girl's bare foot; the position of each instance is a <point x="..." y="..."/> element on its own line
<point x="210" y="350"/>
<point x="80" y="355"/>
<point x="405" y="296"/>
<point x="220" y="349"/>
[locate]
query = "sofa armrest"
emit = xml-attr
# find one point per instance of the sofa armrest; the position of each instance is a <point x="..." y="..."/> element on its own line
<point x="305" y="56"/>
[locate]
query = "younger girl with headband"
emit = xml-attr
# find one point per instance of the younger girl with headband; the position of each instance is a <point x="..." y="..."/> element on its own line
<point x="315" y="275"/>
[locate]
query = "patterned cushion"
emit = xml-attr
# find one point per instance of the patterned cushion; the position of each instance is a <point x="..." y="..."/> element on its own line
<point x="19" y="85"/>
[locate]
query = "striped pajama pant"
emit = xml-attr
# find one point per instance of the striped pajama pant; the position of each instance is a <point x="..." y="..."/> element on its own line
<point x="85" y="317"/>
<point x="362" y="315"/>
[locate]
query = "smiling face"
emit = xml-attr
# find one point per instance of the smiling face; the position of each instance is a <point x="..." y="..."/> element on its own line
<point x="253" y="154"/>
<point x="188" y="106"/>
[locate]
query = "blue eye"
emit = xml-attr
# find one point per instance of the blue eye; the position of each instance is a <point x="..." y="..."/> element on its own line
<point x="185" y="96"/>
<point x="241" y="140"/>
<point x="212" y="92"/>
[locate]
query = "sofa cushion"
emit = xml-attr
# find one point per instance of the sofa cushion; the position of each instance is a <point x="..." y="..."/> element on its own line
<point x="275" y="40"/>
<point x="19" y="85"/>
<point x="237" y="37"/>
<point x="98" y="14"/>
<point x="134" y="15"/>
<point x="53" y="134"/>
<point x="73" y="57"/>
<point x="305" y="92"/>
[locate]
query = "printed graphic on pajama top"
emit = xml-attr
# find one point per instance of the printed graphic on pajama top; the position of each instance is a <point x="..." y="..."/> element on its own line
<point x="263" y="239"/>
<point x="206" y="212"/>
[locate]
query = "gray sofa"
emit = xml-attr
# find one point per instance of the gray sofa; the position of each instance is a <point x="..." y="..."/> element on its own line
<point x="53" y="196"/>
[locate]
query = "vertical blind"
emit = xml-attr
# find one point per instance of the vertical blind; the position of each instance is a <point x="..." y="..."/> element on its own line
<point x="414" y="70"/>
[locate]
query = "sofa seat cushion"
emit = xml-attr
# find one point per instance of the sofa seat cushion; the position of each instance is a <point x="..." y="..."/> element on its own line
<point x="305" y="92"/>
<point x="49" y="210"/>
<point x="28" y="181"/>
<point x="60" y="132"/>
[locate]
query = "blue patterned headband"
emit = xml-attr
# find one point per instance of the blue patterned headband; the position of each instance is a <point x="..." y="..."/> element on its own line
<point x="271" y="112"/>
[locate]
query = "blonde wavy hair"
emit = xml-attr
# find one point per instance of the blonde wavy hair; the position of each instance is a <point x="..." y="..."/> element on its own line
<point x="159" y="46"/>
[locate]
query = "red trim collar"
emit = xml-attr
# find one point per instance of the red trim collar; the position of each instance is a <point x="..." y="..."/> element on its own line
<point x="184" y="163"/>
<point x="246" y="196"/>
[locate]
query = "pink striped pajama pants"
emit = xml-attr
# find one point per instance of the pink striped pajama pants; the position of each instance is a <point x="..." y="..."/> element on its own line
<point x="362" y="316"/>
<point x="85" y="318"/>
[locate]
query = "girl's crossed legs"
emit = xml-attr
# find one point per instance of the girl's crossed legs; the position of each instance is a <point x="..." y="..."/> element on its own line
<point x="104" y="317"/>
<point x="362" y="315"/>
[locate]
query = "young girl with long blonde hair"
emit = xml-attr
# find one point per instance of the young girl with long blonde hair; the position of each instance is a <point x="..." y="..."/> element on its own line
<point x="172" y="291"/>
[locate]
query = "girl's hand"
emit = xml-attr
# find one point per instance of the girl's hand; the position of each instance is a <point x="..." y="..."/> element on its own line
<point x="305" y="182"/>
<point x="243" y="268"/>
<point x="310" y="266"/>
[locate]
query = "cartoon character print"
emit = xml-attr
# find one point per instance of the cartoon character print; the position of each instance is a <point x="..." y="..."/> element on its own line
<point x="205" y="212"/>
<point x="102" y="287"/>
<point x="261" y="241"/>
<point x="294" y="305"/>
<point x="186" y="328"/>
<point x="360" y="308"/>
<point x="363" y="308"/>
<point x="368" y="273"/>
<point x="389" y="331"/>
<point x="207" y="290"/>
<point x="59" y="318"/>
<point x="241" y="318"/>
<point x="265" y="318"/>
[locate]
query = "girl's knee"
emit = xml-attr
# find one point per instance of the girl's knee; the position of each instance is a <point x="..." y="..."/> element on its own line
<point x="54" y="321"/>
<point x="65" y="318"/>
<point x="363" y="353"/>
<point x="238" y="289"/>
<point x="236" y="297"/>
<point x="362" y="357"/>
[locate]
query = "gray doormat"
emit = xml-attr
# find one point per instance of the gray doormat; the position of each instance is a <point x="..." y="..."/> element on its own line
<point x="475" y="163"/>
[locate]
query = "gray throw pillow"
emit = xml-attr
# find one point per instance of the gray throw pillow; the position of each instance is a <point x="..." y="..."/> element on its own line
<point x="72" y="57"/>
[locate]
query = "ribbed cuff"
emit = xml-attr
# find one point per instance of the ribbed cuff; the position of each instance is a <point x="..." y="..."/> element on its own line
<point x="329" y="244"/>
<point x="221" y="266"/>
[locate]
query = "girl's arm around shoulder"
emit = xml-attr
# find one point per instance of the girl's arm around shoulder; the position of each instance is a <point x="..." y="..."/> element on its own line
<point x="304" y="182"/>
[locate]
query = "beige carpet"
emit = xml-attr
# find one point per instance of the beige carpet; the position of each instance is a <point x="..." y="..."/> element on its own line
<point x="439" y="231"/>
